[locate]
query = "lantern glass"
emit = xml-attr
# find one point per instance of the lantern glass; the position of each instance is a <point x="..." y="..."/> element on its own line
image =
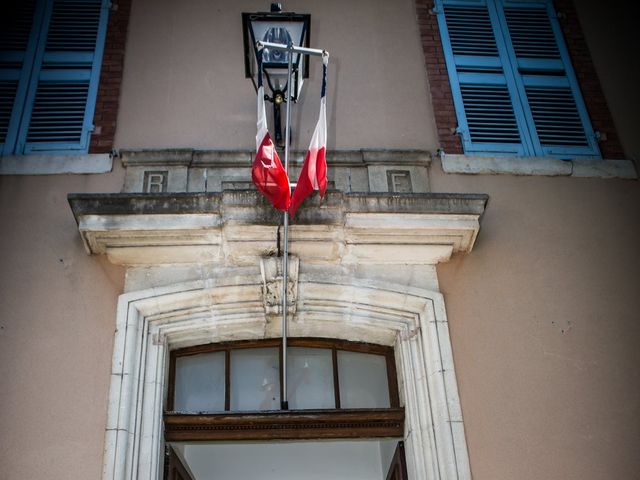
<point x="280" y="27"/>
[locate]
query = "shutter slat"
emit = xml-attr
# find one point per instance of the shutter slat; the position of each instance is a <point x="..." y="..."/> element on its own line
<point x="74" y="26"/>
<point x="490" y="105"/>
<point x="16" y="18"/>
<point x="7" y="96"/>
<point x="65" y="121"/>
<point x="470" y="30"/>
<point x="16" y="24"/>
<point x="556" y="116"/>
<point x="531" y="33"/>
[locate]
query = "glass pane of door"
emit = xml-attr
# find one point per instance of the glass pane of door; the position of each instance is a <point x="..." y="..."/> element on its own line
<point x="255" y="379"/>
<point x="199" y="383"/>
<point x="310" y="378"/>
<point x="363" y="380"/>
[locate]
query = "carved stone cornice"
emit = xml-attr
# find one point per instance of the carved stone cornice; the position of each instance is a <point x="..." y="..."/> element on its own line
<point x="239" y="227"/>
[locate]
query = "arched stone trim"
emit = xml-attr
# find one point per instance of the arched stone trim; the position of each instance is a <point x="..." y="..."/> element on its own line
<point x="153" y="321"/>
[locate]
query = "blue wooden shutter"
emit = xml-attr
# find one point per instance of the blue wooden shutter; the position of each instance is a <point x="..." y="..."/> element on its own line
<point x="20" y="24"/>
<point x="58" y="114"/>
<point x="557" y="118"/>
<point x="489" y="120"/>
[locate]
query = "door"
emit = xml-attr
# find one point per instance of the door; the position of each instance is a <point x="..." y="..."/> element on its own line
<point x="176" y="469"/>
<point x="398" y="467"/>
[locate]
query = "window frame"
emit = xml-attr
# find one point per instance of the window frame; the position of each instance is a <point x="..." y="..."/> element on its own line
<point x="31" y="73"/>
<point x="285" y="424"/>
<point x="515" y="82"/>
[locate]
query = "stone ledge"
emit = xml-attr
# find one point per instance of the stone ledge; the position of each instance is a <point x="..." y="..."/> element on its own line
<point x="240" y="227"/>
<point x="56" y="164"/>
<point x="201" y="203"/>
<point x="604" y="169"/>
<point x="545" y="166"/>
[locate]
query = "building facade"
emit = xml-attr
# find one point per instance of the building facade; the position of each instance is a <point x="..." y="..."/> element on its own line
<point x="478" y="241"/>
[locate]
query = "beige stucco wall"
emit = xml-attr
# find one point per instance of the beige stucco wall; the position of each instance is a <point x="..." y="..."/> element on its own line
<point x="184" y="82"/>
<point x="57" y="317"/>
<point x="544" y="325"/>
<point x="543" y="318"/>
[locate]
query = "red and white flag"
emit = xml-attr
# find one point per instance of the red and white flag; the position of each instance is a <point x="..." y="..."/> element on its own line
<point x="267" y="172"/>
<point x="314" y="169"/>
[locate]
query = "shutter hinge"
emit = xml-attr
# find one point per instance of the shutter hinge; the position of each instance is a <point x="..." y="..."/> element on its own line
<point x="561" y="15"/>
<point x="600" y="136"/>
<point x="112" y="6"/>
<point x="435" y="11"/>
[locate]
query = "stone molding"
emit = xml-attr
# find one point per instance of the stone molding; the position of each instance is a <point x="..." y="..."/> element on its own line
<point x="234" y="158"/>
<point x="188" y="170"/>
<point x="547" y="166"/>
<point x="152" y="322"/>
<point x="237" y="228"/>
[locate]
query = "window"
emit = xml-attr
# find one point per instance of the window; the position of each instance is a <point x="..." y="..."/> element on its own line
<point x="50" y="57"/>
<point x="513" y="85"/>
<point x="336" y="389"/>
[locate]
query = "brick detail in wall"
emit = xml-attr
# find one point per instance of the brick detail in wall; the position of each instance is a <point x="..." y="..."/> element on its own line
<point x="592" y="93"/>
<point x="108" y="98"/>
<point x="442" y="99"/>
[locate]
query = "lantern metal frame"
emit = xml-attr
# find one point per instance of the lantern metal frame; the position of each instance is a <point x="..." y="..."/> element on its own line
<point x="280" y="92"/>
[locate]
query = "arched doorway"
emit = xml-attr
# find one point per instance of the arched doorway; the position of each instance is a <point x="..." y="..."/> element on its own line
<point x="202" y="267"/>
<point x="152" y="323"/>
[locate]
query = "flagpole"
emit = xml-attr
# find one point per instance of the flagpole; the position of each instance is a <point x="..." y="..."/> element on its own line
<point x="284" y="402"/>
<point x="285" y="259"/>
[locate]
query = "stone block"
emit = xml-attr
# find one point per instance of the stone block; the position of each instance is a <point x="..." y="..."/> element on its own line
<point x="219" y="179"/>
<point x="358" y="180"/>
<point x="138" y="179"/>
<point x="197" y="179"/>
<point x="379" y="177"/>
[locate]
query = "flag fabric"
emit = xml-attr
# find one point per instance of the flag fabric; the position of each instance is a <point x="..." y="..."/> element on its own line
<point x="313" y="175"/>
<point x="267" y="172"/>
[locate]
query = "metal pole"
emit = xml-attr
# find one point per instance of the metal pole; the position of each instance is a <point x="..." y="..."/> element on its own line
<point x="284" y="402"/>
<point x="285" y="259"/>
<point x="291" y="48"/>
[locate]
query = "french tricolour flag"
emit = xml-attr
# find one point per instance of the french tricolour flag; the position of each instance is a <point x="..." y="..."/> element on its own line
<point x="314" y="169"/>
<point x="267" y="171"/>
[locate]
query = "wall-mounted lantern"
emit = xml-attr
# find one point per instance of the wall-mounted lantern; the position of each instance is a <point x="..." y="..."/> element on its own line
<point x="280" y="27"/>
